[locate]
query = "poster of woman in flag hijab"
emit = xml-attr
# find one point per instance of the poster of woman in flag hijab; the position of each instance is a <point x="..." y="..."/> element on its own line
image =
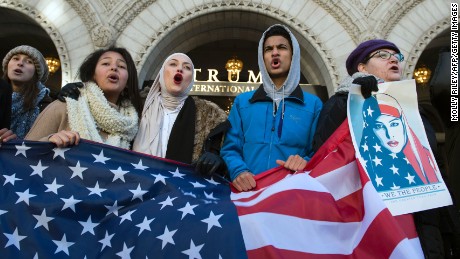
<point x="392" y="147"/>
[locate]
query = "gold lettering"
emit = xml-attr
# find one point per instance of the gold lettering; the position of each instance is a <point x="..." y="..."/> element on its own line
<point x="253" y="78"/>
<point x="230" y="75"/>
<point x="195" y="72"/>
<point x="212" y="75"/>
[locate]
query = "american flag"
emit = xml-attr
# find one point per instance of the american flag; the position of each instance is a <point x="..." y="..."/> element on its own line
<point x="96" y="201"/>
<point x="331" y="211"/>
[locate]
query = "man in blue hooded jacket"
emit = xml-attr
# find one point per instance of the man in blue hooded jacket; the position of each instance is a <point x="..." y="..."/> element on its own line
<point x="273" y="125"/>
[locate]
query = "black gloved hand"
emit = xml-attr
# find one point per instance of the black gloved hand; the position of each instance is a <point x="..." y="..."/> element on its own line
<point x="70" y="90"/>
<point x="368" y="85"/>
<point x="208" y="163"/>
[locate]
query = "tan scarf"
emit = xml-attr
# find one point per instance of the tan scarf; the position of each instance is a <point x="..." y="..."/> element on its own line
<point x="148" y="139"/>
<point x="92" y="112"/>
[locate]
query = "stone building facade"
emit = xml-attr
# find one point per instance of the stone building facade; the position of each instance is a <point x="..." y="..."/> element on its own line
<point x="327" y="30"/>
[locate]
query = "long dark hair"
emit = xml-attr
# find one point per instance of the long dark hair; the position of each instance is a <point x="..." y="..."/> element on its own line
<point x="131" y="91"/>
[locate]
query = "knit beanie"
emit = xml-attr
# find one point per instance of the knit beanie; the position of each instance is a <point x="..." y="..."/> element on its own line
<point x="363" y="50"/>
<point x="41" y="68"/>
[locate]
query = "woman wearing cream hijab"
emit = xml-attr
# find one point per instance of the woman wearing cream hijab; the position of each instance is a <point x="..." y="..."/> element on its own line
<point x="177" y="126"/>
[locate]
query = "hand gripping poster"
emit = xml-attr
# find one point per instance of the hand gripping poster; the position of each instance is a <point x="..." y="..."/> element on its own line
<point x="392" y="147"/>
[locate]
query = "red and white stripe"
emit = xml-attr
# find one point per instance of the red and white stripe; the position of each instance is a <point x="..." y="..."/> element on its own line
<point x="322" y="213"/>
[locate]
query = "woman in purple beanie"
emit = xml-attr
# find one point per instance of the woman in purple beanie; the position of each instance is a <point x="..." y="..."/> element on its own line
<point x="377" y="61"/>
<point x="372" y="62"/>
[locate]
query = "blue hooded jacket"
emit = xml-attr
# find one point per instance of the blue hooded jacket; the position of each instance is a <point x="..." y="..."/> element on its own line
<point x="259" y="136"/>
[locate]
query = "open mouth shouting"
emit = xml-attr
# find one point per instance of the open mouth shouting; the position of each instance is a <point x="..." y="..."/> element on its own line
<point x="275" y="63"/>
<point x="394" y="68"/>
<point x="113" y="78"/>
<point x="17" y="71"/>
<point x="178" y="78"/>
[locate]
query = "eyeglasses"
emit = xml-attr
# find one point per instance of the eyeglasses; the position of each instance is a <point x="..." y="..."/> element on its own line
<point x="383" y="54"/>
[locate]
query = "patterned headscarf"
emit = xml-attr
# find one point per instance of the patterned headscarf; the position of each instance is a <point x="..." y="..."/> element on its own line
<point x="410" y="167"/>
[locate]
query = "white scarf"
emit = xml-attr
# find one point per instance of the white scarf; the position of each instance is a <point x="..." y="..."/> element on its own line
<point x="149" y="138"/>
<point x="92" y="112"/>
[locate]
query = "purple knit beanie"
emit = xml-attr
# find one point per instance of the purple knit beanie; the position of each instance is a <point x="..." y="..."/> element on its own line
<point x="363" y="50"/>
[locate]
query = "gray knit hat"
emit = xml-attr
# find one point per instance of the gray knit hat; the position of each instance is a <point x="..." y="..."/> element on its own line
<point x="40" y="63"/>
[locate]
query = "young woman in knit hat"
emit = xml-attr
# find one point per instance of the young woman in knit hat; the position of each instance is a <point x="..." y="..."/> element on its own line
<point x="107" y="110"/>
<point x="24" y="67"/>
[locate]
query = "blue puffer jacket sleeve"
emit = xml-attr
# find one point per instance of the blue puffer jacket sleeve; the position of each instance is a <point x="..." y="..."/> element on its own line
<point x="232" y="148"/>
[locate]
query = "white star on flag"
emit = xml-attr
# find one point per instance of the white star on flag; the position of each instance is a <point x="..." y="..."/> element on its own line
<point x="14" y="239"/>
<point x="10" y="179"/>
<point x="410" y="178"/>
<point x="407" y="160"/>
<point x="378" y="180"/>
<point x="145" y="225"/>
<point x="24" y="196"/>
<point x="96" y="190"/>
<point x="88" y="226"/>
<point x="394" y="169"/>
<point x="211" y="181"/>
<point x="193" y="251"/>
<point x="100" y="158"/>
<point x="42" y="220"/>
<point x="53" y="187"/>
<point x="377" y="148"/>
<point x="369" y="111"/>
<point x="62" y="245"/>
<point x="139" y="165"/>
<point x="70" y="203"/>
<point x="160" y="178"/>
<point x="177" y="173"/>
<point x="125" y="253"/>
<point x="198" y="185"/>
<point x="22" y="149"/>
<point x="210" y="196"/>
<point x="119" y="174"/>
<point x="126" y="216"/>
<point x="138" y="193"/>
<point x="38" y="169"/>
<point x="212" y="220"/>
<point x="365" y="147"/>
<point x="166" y="237"/>
<point x="377" y="161"/>
<point x="167" y="202"/>
<point x="106" y="240"/>
<point x="113" y="209"/>
<point x="77" y="170"/>
<point x="59" y="152"/>
<point x="187" y="209"/>
<point x="395" y="187"/>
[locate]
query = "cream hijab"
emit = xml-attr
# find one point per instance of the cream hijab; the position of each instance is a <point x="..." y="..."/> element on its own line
<point x="148" y="139"/>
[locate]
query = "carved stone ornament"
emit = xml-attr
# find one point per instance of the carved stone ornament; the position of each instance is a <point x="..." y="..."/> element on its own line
<point x="102" y="36"/>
